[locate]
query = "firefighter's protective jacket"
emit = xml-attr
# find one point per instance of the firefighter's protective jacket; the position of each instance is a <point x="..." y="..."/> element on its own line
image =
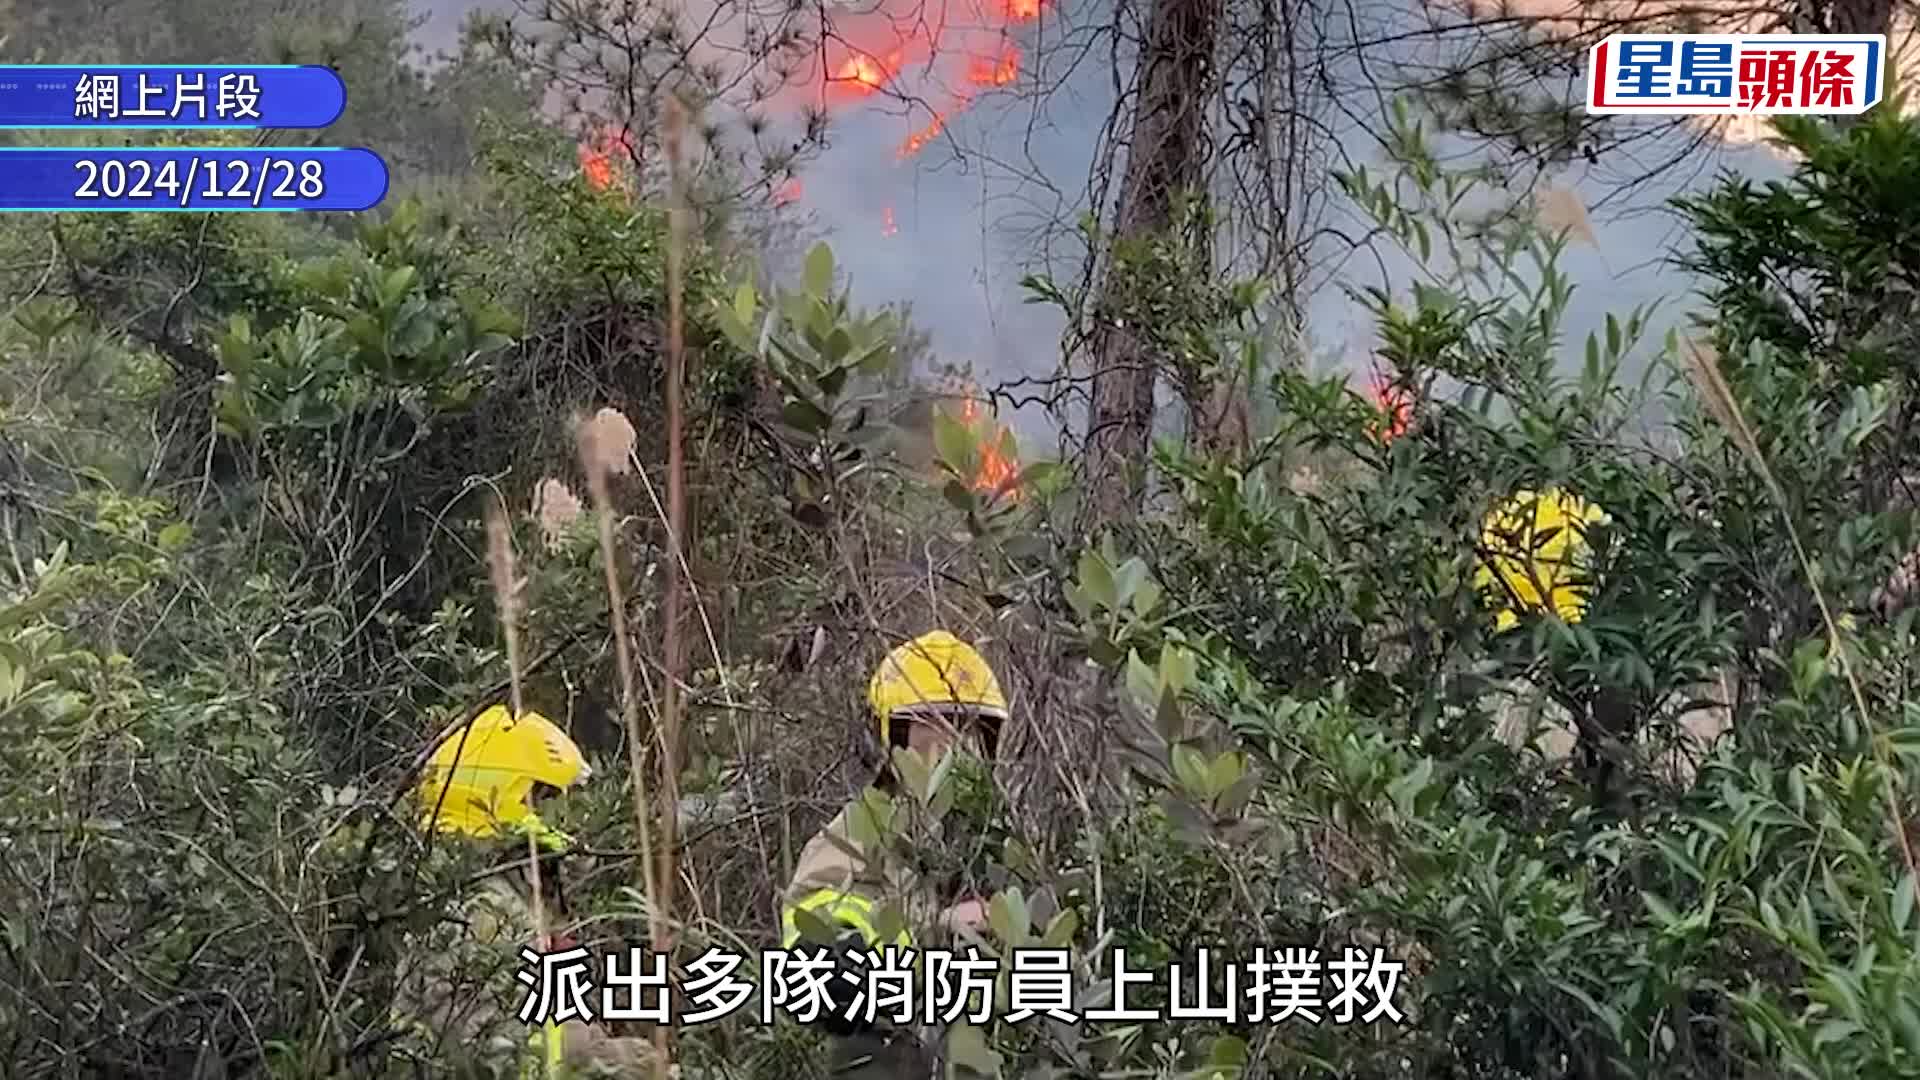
<point x="851" y="871"/>
<point x="462" y="1001"/>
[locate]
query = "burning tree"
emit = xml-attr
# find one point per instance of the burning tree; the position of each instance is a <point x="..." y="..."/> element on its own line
<point x="606" y="158"/>
<point x="615" y="64"/>
<point x="998" y="472"/>
<point x="979" y="454"/>
<point x="1393" y="402"/>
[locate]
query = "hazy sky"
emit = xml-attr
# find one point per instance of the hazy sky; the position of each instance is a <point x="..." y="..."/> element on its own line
<point x="953" y="234"/>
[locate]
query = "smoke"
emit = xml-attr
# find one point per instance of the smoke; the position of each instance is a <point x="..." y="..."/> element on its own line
<point x="949" y="174"/>
<point x="932" y="188"/>
<point x="1590" y="20"/>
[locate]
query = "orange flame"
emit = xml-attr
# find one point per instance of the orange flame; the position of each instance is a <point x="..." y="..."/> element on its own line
<point x="598" y="160"/>
<point x="871" y="64"/>
<point x="998" y="472"/>
<point x="790" y="191"/>
<point x="887" y="225"/>
<point x="918" y="141"/>
<point x="982" y="71"/>
<point x="598" y="170"/>
<point x="863" y="73"/>
<point x="1395" y="405"/>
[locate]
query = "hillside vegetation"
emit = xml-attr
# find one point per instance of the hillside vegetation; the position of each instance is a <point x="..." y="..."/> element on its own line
<point x="246" y="466"/>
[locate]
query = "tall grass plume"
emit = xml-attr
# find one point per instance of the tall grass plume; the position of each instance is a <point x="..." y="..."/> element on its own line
<point x="674" y="645"/>
<point x="1703" y="363"/>
<point x="500" y="571"/>
<point x="604" y="442"/>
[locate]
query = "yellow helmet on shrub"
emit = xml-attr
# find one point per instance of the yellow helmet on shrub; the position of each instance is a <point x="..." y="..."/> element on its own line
<point x="933" y="672"/>
<point x="1536" y="544"/>
<point x="480" y="783"/>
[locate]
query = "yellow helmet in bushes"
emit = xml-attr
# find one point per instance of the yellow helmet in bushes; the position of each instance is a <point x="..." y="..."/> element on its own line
<point x="934" y="672"/>
<point x="481" y="783"/>
<point x="1536" y="556"/>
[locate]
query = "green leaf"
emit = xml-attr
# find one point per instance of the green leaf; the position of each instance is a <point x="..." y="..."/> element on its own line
<point x="1061" y="930"/>
<point x="1228" y="1052"/>
<point x="804" y="415"/>
<point x="1903" y="896"/>
<point x="818" y="276"/>
<point x="1908" y="1021"/>
<point x="813" y="928"/>
<point x="1226" y="771"/>
<point x="395" y="285"/>
<point x="832" y="381"/>
<point x="875" y="359"/>
<point x="870" y="819"/>
<point x="1020" y="919"/>
<point x="174" y="537"/>
<point x="1128" y="578"/>
<point x="837" y="345"/>
<point x="914" y="772"/>
<point x="1097" y="580"/>
<point x="1142" y="681"/>
<point x="888" y="922"/>
<point x="1000" y="919"/>
<point x="1190" y="768"/>
<point x="966" y="1046"/>
<point x="959" y="496"/>
<point x="1168" y="717"/>
<point x="1040" y="476"/>
<point x="954" y="443"/>
<point x="1178" y="667"/>
<point x="1146" y="598"/>
<point x="1405" y="789"/>
<point x="745" y="302"/>
<point x="1658" y="908"/>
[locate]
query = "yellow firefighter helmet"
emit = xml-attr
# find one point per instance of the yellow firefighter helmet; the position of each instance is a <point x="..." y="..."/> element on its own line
<point x="481" y="783"/>
<point x="1537" y="555"/>
<point x="933" y="672"/>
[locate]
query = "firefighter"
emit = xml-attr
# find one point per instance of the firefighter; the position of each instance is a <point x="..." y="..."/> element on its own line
<point x="931" y="696"/>
<point x="483" y="786"/>
<point x="1535" y="556"/>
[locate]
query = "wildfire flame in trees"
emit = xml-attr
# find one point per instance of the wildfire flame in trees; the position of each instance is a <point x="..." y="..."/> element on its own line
<point x="1395" y="405"/>
<point x="918" y="141"/>
<point x="887" y="225"/>
<point x="999" y="468"/>
<point x="983" y="71"/>
<point x="604" y="155"/>
<point x="987" y="58"/>
<point x="863" y="73"/>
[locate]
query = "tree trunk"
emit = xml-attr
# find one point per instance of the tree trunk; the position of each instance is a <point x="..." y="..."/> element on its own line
<point x="1164" y="159"/>
<point x="1849" y="17"/>
<point x="1858" y="17"/>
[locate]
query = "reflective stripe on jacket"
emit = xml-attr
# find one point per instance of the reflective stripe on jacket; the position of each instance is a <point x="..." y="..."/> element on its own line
<point x="836" y="906"/>
<point x="847" y="882"/>
<point x="475" y="1013"/>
